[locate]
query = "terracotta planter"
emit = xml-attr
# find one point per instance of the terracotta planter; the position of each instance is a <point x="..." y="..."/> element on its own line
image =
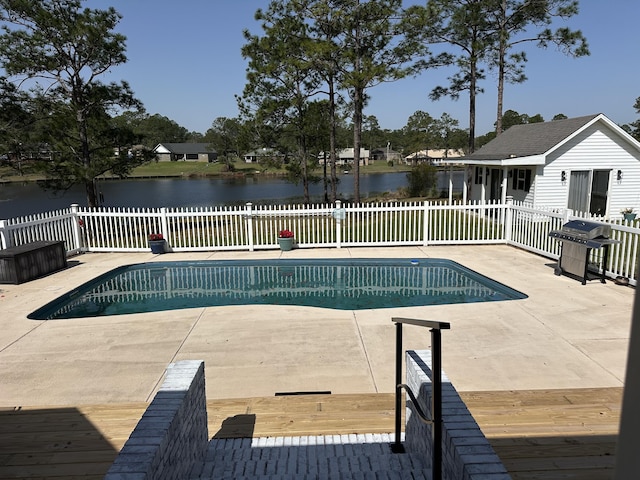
<point x="286" y="244"/>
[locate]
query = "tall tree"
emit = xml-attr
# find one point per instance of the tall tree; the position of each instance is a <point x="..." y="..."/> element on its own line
<point x="511" y="118"/>
<point x="17" y="125"/>
<point x="419" y="131"/>
<point x="515" y="22"/>
<point x="153" y="129"/>
<point x="281" y="78"/>
<point x="62" y="50"/>
<point x="324" y="53"/>
<point x="373" y="49"/>
<point x="446" y="128"/>
<point x="634" y="127"/>
<point x="462" y="25"/>
<point x="224" y="135"/>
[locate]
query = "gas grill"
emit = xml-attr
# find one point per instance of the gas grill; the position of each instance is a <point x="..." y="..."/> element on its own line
<point x="578" y="238"/>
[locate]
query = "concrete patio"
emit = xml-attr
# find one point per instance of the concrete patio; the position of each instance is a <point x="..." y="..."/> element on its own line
<point x="565" y="335"/>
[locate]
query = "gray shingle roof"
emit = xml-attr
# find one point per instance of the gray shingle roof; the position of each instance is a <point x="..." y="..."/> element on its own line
<point x="188" y="148"/>
<point x="530" y="139"/>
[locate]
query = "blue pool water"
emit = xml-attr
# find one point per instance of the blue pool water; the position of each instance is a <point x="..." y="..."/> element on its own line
<point x="339" y="284"/>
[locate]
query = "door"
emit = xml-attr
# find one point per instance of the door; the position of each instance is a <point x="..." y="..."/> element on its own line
<point x="579" y="191"/>
<point x="589" y="191"/>
<point x="599" y="192"/>
<point x="496" y="184"/>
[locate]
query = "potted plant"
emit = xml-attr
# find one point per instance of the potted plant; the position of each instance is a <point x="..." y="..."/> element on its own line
<point x="285" y="240"/>
<point x="156" y="243"/>
<point x="628" y="214"/>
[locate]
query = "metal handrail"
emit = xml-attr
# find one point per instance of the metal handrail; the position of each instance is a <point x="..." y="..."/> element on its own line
<point x="436" y="398"/>
<point x="421" y="415"/>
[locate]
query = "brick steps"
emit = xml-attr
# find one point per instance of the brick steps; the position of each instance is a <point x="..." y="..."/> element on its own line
<point x="309" y="457"/>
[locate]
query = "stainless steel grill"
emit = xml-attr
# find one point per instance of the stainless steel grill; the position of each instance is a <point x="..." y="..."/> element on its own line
<point x="578" y="238"/>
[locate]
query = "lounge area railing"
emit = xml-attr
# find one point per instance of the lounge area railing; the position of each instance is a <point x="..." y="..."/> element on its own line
<point x="254" y="227"/>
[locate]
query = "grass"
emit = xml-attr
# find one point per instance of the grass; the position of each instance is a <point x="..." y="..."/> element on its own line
<point x="192" y="169"/>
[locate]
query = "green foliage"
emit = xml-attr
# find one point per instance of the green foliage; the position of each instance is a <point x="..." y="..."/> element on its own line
<point x="60" y="50"/>
<point x="422" y="181"/>
<point x="483" y="33"/>
<point x="634" y="128"/>
<point x="311" y="47"/>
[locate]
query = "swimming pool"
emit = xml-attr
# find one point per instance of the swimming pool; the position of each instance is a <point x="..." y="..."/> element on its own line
<point x="350" y="284"/>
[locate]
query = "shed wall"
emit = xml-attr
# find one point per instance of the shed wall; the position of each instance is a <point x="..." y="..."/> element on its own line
<point x="597" y="148"/>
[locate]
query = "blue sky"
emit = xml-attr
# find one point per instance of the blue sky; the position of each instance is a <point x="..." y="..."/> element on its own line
<point x="185" y="63"/>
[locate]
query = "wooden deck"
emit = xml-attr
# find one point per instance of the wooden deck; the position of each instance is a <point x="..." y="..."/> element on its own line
<point x="554" y="434"/>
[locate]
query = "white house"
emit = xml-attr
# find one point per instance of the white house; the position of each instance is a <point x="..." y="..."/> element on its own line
<point x="433" y="156"/>
<point x="588" y="164"/>
<point x="198" y="152"/>
<point x="346" y="156"/>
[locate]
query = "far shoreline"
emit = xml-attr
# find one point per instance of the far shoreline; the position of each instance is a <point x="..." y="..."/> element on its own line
<point x="186" y="170"/>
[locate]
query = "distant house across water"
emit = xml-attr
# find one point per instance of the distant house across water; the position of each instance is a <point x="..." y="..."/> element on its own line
<point x="345" y="157"/>
<point x="256" y="156"/>
<point x="432" y="156"/>
<point x="385" y="155"/>
<point x="193" y="152"/>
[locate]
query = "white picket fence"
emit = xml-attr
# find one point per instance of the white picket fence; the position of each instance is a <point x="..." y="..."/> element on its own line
<point x="252" y="227"/>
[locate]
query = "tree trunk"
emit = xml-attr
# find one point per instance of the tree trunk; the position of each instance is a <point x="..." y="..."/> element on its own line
<point x="89" y="184"/>
<point x="472" y="104"/>
<point x="332" y="141"/>
<point x="358" y="106"/>
<point x="357" y="140"/>
<point x="305" y="176"/>
<point x="501" y="59"/>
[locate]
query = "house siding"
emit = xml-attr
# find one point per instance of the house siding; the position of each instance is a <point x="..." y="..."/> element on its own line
<point x="596" y="148"/>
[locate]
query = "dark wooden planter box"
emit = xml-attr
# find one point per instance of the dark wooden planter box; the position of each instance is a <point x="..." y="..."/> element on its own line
<point x="32" y="260"/>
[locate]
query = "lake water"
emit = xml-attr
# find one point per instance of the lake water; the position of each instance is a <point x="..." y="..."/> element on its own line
<point x="19" y="199"/>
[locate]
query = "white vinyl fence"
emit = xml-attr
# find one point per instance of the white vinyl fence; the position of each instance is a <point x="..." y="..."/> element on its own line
<point x="252" y="227"/>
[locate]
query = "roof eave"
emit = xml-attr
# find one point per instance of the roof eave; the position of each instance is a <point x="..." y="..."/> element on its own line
<point x="501" y="162"/>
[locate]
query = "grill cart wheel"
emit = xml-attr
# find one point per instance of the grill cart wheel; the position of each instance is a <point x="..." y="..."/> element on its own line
<point x="557" y="271"/>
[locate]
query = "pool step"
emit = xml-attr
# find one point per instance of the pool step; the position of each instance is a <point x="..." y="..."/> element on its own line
<point x="359" y="456"/>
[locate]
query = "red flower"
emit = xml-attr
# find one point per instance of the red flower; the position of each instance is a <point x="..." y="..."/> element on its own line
<point x="285" y="234"/>
<point x="156" y="236"/>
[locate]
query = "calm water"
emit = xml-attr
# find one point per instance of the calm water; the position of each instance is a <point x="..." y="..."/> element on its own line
<point x="18" y="199"/>
<point x="354" y="284"/>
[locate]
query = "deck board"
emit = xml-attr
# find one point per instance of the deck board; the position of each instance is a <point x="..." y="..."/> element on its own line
<point x="538" y="434"/>
<point x="551" y="434"/>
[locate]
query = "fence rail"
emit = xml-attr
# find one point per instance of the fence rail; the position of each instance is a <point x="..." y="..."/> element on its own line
<point x="252" y="227"/>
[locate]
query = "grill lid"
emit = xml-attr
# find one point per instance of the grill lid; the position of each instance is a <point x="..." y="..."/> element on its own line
<point x="588" y="234"/>
<point x="581" y="229"/>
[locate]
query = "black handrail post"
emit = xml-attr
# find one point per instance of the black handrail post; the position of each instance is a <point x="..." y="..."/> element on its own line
<point x="436" y="401"/>
<point x="397" y="446"/>
<point x="436" y="388"/>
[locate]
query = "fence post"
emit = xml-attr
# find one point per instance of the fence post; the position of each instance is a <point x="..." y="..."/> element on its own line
<point x="4" y="238"/>
<point x="164" y="224"/>
<point x="425" y="226"/>
<point x="508" y="222"/>
<point x="567" y="215"/>
<point x="249" y="216"/>
<point x="77" y="238"/>
<point x="338" y="225"/>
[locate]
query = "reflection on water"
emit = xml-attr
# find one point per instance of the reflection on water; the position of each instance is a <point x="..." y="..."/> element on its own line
<point x="19" y="199"/>
<point x="346" y="285"/>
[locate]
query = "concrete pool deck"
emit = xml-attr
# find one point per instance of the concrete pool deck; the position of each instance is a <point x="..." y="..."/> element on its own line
<point x="565" y="335"/>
